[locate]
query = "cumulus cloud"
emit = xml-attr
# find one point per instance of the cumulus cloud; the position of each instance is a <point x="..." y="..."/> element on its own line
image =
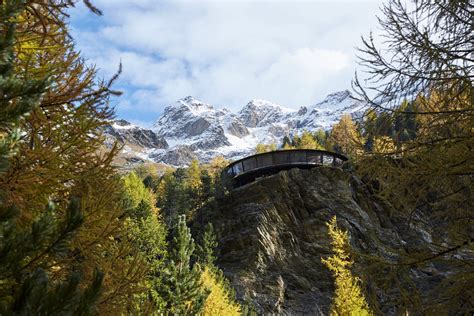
<point x="224" y="52"/>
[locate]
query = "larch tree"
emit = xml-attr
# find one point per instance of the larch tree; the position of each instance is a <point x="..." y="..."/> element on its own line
<point x="30" y="244"/>
<point x="308" y="141"/>
<point x="345" y="137"/>
<point x="348" y="296"/>
<point x="427" y="61"/>
<point x="219" y="300"/>
<point x="61" y="169"/>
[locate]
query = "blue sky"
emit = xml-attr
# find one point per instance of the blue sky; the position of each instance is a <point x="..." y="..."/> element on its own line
<point x="223" y="52"/>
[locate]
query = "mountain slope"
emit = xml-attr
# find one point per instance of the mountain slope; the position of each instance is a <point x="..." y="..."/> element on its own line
<point x="193" y="129"/>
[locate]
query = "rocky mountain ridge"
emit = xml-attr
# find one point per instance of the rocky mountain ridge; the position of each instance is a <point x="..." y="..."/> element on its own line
<point x="191" y="129"/>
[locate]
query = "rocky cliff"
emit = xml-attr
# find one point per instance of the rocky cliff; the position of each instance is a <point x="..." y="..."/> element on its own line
<point x="272" y="236"/>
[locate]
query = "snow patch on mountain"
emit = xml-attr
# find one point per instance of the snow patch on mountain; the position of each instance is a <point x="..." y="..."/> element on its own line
<point x="191" y="129"/>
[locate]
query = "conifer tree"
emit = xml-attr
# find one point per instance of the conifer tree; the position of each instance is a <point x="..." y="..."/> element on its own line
<point x="206" y="248"/>
<point x="348" y="297"/>
<point x="264" y="148"/>
<point x="345" y="137"/>
<point x="180" y="287"/>
<point x="219" y="301"/>
<point x="321" y="137"/>
<point x="286" y="142"/>
<point x="426" y="62"/>
<point x="60" y="158"/>
<point x="308" y="141"/>
<point x="26" y="253"/>
<point x="221" y="298"/>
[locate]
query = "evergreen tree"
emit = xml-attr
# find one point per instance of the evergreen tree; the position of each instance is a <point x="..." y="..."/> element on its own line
<point x="296" y="141"/>
<point x="321" y="137"/>
<point x="286" y="142"/>
<point x="172" y="196"/>
<point x="264" y="148"/>
<point x="207" y="247"/>
<point x="147" y="233"/>
<point x="180" y="286"/>
<point x="208" y="189"/>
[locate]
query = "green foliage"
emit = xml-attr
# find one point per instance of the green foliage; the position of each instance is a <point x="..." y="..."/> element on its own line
<point x="348" y="297"/>
<point x="147" y="233"/>
<point x="138" y="200"/>
<point x="180" y="288"/>
<point x="25" y="286"/>
<point x="399" y="126"/>
<point x="59" y="108"/>
<point x="135" y="190"/>
<point x="206" y="248"/>
<point x="144" y="227"/>
<point x="173" y="197"/>
<point x="308" y="141"/>
<point x="19" y="95"/>
<point x="183" y="191"/>
<point x="321" y="137"/>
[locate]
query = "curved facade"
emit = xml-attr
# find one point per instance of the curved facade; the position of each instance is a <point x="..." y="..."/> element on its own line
<point x="249" y="168"/>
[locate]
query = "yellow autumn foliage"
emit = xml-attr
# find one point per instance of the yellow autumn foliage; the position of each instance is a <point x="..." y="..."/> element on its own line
<point x="384" y="144"/>
<point x="218" y="302"/>
<point x="346" y="137"/>
<point x="348" y="296"/>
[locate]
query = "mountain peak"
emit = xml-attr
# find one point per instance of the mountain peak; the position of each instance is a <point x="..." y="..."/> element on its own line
<point x="261" y="103"/>
<point x="337" y="96"/>
<point x="208" y="132"/>
<point x="336" y="101"/>
<point x="194" y="105"/>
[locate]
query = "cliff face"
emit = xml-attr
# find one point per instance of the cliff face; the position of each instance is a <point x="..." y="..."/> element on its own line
<point x="272" y="236"/>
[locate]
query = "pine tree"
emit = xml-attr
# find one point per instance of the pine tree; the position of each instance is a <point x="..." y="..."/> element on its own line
<point x="321" y="137"/>
<point x="286" y="142"/>
<point x="206" y="248"/>
<point x="180" y="287"/>
<point x="348" y="297"/>
<point x="221" y="299"/>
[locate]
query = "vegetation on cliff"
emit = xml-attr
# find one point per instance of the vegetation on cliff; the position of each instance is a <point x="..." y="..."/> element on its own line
<point x="348" y="296"/>
<point x="76" y="237"/>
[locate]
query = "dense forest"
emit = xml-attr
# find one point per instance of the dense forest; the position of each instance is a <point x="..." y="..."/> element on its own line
<point x="79" y="236"/>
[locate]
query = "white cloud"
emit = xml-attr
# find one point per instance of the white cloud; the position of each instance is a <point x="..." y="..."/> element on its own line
<point x="226" y="52"/>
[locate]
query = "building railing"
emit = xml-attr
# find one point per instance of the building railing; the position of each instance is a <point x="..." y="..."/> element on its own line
<point x="283" y="158"/>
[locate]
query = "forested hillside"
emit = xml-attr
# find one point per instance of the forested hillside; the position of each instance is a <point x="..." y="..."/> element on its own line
<point x="391" y="232"/>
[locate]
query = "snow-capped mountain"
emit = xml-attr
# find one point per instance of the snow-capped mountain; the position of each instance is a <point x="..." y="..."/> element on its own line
<point x="191" y="129"/>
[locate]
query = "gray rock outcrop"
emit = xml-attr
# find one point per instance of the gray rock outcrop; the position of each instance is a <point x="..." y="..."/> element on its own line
<point x="273" y="234"/>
